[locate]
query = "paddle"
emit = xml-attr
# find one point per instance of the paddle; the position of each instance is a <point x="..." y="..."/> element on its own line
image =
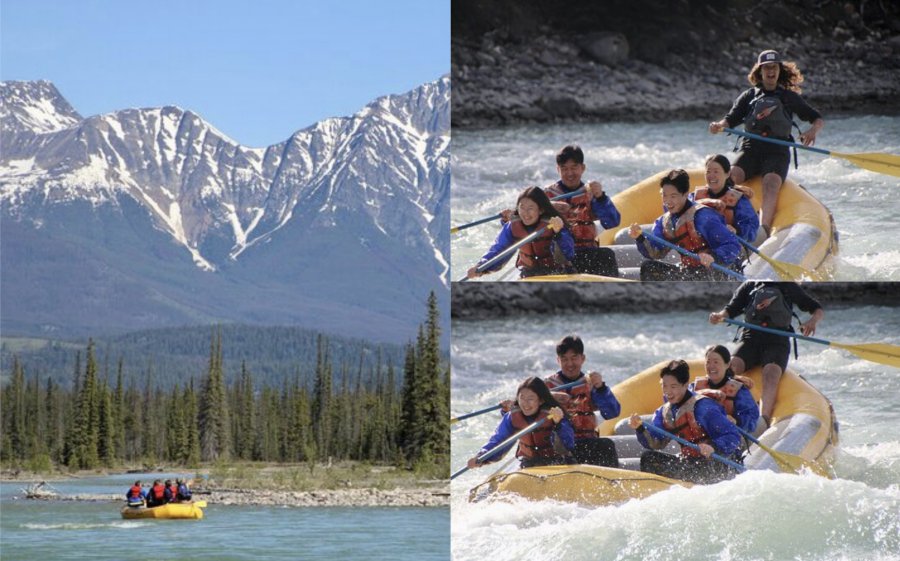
<point x="882" y="353"/>
<point x="689" y="444"/>
<point x="888" y="164"/>
<point x="788" y="463"/>
<point x="786" y="271"/>
<point x="488" y="453"/>
<point x="498" y="406"/>
<point x="200" y="504"/>
<point x="499" y="215"/>
<point x="506" y="252"/>
<point x="693" y="255"/>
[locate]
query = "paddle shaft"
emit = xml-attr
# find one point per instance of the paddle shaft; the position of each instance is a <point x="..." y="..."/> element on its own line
<point x="689" y="444"/>
<point x="498" y="406"/>
<point x="693" y="255"/>
<point x="777" y="141"/>
<point x="776" y="331"/>
<point x="499" y="215"/>
<point x="487" y="454"/>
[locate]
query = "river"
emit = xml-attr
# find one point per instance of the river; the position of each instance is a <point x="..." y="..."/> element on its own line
<point x="757" y="516"/>
<point x="492" y="166"/>
<point x="70" y="530"/>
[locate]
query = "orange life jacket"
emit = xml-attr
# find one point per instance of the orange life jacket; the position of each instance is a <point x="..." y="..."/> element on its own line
<point x="724" y="395"/>
<point x="135" y="492"/>
<point x="174" y="490"/>
<point x="684" y="234"/>
<point x="580" y="216"/>
<point x="724" y="205"/>
<point x="580" y="408"/>
<point x="685" y="425"/>
<point x="536" y="253"/>
<point x="536" y="444"/>
<point x="158" y="492"/>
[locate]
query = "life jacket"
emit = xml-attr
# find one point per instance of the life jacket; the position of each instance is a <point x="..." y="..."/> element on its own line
<point x="724" y="204"/>
<point x="580" y="408"/>
<point x="158" y="493"/>
<point x="580" y="216"/>
<point x="538" y="252"/>
<point x="536" y="444"/>
<point x="173" y="489"/>
<point x="724" y="394"/>
<point x="769" y="308"/>
<point x="685" y="425"/>
<point x="135" y="492"/>
<point x="184" y="492"/>
<point x="768" y="116"/>
<point x="683" y="234"/>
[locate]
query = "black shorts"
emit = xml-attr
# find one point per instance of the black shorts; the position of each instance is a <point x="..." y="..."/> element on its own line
<point x="760" y="160"/>
<point x="758" y="349"/>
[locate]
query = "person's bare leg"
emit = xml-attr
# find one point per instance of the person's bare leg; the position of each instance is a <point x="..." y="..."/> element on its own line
<point x="737" y="175"/>
<point x="771" y="186"/>
<point x="771" y="376"/>
<point x="737" y="365"/>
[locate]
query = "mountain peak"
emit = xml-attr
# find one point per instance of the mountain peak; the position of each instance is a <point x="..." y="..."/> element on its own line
<point x="34" y="106"/>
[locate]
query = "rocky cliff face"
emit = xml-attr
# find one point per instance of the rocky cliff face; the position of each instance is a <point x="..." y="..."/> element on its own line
<point x="195" y="226"/>
<point x="556" y="61"/>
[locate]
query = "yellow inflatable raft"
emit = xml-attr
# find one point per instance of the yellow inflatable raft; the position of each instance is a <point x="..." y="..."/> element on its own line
<point x="181" y="511"/>
<point x="803" y="424"/>
<point x="803" y="231"/>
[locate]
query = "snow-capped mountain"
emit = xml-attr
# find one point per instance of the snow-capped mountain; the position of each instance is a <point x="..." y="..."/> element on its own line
<point x="349" y="215"/>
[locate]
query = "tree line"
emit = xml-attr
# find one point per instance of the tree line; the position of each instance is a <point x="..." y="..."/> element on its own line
<point x="337" y="411"/>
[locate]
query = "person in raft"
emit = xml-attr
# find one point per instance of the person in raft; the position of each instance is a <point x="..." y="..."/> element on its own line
<point x="728" y="390"/>
<point x="582" y="400"/>
<point x="156" y="496"/>
<point x="184" y="491"/>
<point x="768" y="109"/>
<point x="694" y="227"/>
<point x="730" y="200"/>
<point x="548" y="254"/>
<point x="768" y="304"/>
<point x="695" y="418"/>
<point x="136" y="495"/>
<point x="538" y="448"/>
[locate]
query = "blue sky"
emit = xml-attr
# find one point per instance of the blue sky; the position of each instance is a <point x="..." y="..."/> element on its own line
<point x="257" y="71"/>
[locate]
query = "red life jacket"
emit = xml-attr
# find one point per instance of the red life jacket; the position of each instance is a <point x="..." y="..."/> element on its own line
<point x="134" y="492"/>
<point x="580" y="408"/>
<point x="536" y="444"/>
<point x="174" y="490"/>
<point x="724" y="395"/>
<point x="538" y="252"/>
<point x="685" y="425"/>
<point x="724" y="205"/>
<point x="580" y="216"/>
<point x="158" y="492"/>
<point x="684" y="234"/>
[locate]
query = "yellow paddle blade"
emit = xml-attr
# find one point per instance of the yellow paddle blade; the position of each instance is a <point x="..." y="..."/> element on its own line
<point x="888" y="164"/>
<point x="200" y="504"/>
<point x="790" y="271"/>
<point x="789" y="463"/>
<point x="881" y="353"/>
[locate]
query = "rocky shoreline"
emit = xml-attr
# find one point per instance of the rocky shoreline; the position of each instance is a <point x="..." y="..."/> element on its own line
<point x="324" y="498"/>
<point x="558" y="62"/>
<point x="477" y="301"/>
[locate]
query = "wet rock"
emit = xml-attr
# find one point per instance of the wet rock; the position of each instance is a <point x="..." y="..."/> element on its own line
<point x="605" y="47"/>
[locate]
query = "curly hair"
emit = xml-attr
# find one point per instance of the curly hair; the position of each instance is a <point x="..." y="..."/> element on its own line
<point x="789" y="77"/>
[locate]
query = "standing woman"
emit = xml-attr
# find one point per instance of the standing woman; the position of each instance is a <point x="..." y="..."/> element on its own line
<point x="550" y="253"/>
<point x="768" y="109"/>
<point x="534" y="402"/>
<point x="730" y="200"/>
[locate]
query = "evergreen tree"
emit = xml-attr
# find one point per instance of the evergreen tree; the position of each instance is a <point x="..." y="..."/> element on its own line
<point x="322" y="414"/>
<point x="213" y="415"/>
<point x="85" y="419"/>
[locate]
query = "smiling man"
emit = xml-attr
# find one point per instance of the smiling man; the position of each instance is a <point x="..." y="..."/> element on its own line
<point x="768" y="109"/>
